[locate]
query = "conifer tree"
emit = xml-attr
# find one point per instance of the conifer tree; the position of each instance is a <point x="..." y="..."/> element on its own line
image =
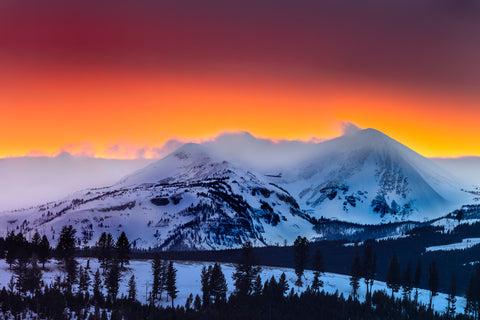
<point x="218" y="285"/>
<point x="301" y="247"/>
<point x="28" y="277"/>
<point x="452" y="297"/>
<point x="105" y="247"/>
<point x="197" y="303"/>
<point x="171" y="282"/>
<point x="65" y="251"/>
<point x="246" y="271"/>
<point x="205" y="281"/>
<point x="407" y="281"/>
<point x="471" y="308"/>
<point x="97" y="286"/>
<point x="71" y="267"/>
<point x="394" y="279"/>
<point x="84" y="280"/>
<point x="257" y="286"/>
<point x="355" y="275"/>
<point x="11" y="246"/>
<point x="188" y="302"/>
<point x="66" y="242"/>
<point x="44" y="251"/>
<point x="369" y="266"/>
<point x="318" y="268"/>
<point x="283" y="284"/>
<point x="112" y="281"/>
<point x="433" y="281"/>
<point x="132" y="289"/>
<point x="36" y="240"/>
<point x="417" y="278"/>
<point x="158" y="277"/>
<point x="123" y="249"/>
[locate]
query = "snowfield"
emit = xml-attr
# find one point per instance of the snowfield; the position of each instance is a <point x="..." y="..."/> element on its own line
<point x="188" y="281"/>
<point x="465" y="244"/>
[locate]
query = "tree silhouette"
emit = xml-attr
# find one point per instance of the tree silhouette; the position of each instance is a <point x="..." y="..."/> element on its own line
<point x="246" y="271"/>
<point x="171" y="282"/>
<point x="355" y="275"/>
<point x="301" y="247"/>
<point x="433" y="281"/>
<point x="394" y="280"/>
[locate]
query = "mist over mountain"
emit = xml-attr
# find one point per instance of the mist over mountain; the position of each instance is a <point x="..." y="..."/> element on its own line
<point x="27" y="181"/>
<point x="238" y="188"/>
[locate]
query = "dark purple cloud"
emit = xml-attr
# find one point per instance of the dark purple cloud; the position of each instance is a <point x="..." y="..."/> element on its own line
<point x="424" y="42"/>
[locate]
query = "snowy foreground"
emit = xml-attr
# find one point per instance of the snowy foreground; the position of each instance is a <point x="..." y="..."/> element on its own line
<point x="188" y="280"/>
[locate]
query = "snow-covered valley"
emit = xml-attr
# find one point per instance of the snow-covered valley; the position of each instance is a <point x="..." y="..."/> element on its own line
<point x="188" y="281"/>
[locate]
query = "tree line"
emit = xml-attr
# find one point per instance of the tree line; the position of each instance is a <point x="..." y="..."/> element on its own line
<point x="78" y="293"/>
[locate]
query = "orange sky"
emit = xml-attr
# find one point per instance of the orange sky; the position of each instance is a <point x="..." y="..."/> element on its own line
<point x="90" y="111"/>
<point x="86" y="76"/>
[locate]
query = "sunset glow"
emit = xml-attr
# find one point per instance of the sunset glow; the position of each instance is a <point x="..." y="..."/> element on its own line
<point x="66" y="86"/>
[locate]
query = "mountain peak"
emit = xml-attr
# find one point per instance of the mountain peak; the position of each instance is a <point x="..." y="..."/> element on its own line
<point x="192" y="151"/>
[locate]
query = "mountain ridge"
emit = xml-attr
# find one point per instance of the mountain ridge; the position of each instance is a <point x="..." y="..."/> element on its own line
<point x="197" y="198"/>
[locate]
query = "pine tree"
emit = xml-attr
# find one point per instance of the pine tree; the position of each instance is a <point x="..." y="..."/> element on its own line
<point x="318" y="268"/>
<point x="394" y="280"/>
<point x="123" y="249"/>
<point x="112" y="281"/>
<point x="246" y="271"/>
<point x="433" y="281"/>
<point x="28" y="278"/>
<point x="283" y="284"/>
<point x="44" y="251"/>
<point x="36" y="240"/>
<point x="11" y="246"/>
<point x="158" y="277"/>
<point x="132" y="289"/>
<point x="205" y="281"/>
<point x="407" y="282"/>
<point x="71" y="267"/>
<point x="97" y="287"/>
<point x="369" y="268"/>
<point x="172" y="282"/>
<point x="218" y="285"/>
<point x="257" y="286"/>
<point x="197" y="303"/>
<point x="471" y="305"/>
<point x="66" y="242"/>
<point x="452" y="297"/>
<point x="188" y="302"/>
<point x="104" y="247"/>
<point x="417" y="278"/>
<point x="301" y="247"/>
<point x="84" y="280"/>
<point x="355" y="275"/>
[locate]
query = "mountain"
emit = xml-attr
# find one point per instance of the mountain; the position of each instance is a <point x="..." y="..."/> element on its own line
<point x="367" y="177"/>
<point x="207" y="197"/>
<point x="191" y="199"/>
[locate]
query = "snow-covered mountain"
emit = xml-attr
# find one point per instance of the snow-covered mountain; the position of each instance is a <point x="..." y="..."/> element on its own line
<point x="189" y="199"/>
<point x="367" y="177"/>
<point x="199" y="197"/>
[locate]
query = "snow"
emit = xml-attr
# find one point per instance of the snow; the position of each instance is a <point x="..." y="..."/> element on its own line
<point x="356" y="168"/>
<point x="465" y="244"/>
<point x="188" y="281"/>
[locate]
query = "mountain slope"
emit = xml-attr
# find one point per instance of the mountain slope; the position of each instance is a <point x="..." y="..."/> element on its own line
<point x="367" y="177"/>
<point x="189" y="200"/>
<point x="199" y="198"/>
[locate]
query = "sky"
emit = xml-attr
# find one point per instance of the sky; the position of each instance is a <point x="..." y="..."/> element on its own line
<point x="118" y="79"/>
